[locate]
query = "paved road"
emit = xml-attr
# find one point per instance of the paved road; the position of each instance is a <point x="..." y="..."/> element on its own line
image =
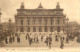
<point x="25" y="43"/>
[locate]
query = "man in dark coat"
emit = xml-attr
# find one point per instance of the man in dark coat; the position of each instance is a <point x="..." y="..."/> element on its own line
<point x="6" y="40"/>
<point x="50" y="41"/>
<point x="30" y="41"/>
<point x="37" y="39"/>
<point x="56" y="38"/>
<point x="42" y="38"/>
<point x="18" y="39"/>
<point x="26" y="36"/>
<point x="9" y="39"/>
<point x="13" y="38"/>
<point x="47" y="40"/>
<point x="67" y="40"/>
<point x="62" y="45"/>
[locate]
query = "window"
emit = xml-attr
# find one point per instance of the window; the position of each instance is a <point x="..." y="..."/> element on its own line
<point x="58" y="22"/>
<point x="16" y="22"/>
<point x="39" y="22"/>
<point x="16" y="29"/>
<point x="21" y="22"/>
<point x="28" y="18"/>
<point x="51" y="22"/>
<point x="40" y="29"/>
<point x="45" y="22"/>
<point x="28" y="21"/>
<point x="63" y="21"/>
<point x="45" y="29"/>
<point x="58" y="29"/>
<point x="40" y="18"/>
<point x="51" y="18"/>
<point x="28" y="29"/>
<point x="34" y="22"/>
<point x="51" y="29"/>
<point x="34" y="29"/>
<point x="22" y="30"/>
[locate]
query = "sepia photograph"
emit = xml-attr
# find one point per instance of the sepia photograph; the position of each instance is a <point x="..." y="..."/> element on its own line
<point x="40" y="24"/>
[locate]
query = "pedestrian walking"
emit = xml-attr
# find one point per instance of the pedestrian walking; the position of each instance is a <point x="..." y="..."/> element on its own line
<point x="41" y="38"/>
<point x="46" y="41"/>
<point x="18" y="39"/>
<point x="30" y="41"/>
<point x="62" y="45"/>
<point x="61" y="39"/>
<point x="37" y="40"/>
<point x="67" y="40"/>
<point x="56" y="38"/>
<point x="26" y="37"/>
<point x="13" y="38"/>
<point x="34" y="39"/>
<point x="50" y="44"/>
<point x="10" y="39"/>
<point x="6" y="40"/>
<point x="50" y="41"/>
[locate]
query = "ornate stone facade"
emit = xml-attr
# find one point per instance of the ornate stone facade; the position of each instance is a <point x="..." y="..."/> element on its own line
<point x="40" y="19"/>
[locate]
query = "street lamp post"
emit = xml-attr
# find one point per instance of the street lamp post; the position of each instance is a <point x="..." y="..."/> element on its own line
<point x="0" y="20"/>
<point x="67" y="39"/>
<point x="9" y="26"/>
<point x="79" y="33"/>
<point x="67" y="25"/>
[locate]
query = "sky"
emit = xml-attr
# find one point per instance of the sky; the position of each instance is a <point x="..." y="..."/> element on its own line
<point x="71" y="8"/>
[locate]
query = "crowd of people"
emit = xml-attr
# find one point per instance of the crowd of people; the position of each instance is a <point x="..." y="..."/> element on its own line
<point x="10" y="39"/>
<point x="36" y="39"/>
<point x="48" y="40"/>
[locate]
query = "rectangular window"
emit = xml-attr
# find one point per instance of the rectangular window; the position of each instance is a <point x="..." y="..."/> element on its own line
<point x="51" y="22"/>
<point x="45" y="22"/>
<point x="45" y="29"/>
<point x="34" y="22"/>
<point x="58" y="22"/>
<point x="22" y="30"/>
<point x="40" y="29"/>
<point x="34" y="29"/>
<point x="28" y="21"/>
<point x="21" y="22"/>
<point x="28" y="29"/>
<point x="51" y="29"/>
<point x="58" y="29"/>
<point x="39" y="22"/>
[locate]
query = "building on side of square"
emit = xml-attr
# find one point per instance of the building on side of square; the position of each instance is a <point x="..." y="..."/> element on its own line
<point x="40" y="20"/>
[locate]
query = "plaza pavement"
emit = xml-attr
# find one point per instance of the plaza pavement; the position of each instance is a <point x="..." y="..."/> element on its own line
<point x="25" y="43"/>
